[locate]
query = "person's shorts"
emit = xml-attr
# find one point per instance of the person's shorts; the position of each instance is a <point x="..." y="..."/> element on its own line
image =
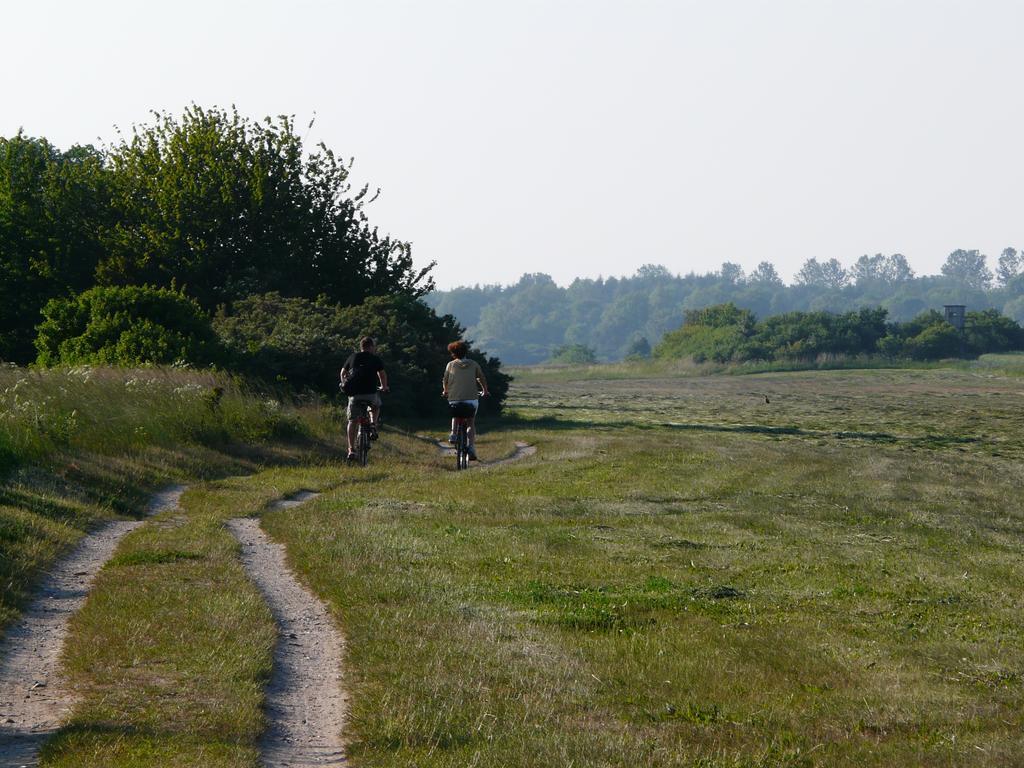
<point x="463" y="409"/>
<point x="355" y="404"/>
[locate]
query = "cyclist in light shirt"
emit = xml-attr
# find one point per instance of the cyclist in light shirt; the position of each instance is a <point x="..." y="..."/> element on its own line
<point x="463" y="381"/>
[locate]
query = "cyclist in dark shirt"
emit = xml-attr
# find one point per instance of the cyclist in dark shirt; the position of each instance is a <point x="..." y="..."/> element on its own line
<point x="362" y="378"/>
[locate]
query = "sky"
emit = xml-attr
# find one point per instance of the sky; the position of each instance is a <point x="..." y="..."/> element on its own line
<point x="584" y="137"/>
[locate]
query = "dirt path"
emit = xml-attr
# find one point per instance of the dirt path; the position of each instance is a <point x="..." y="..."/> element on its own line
<point x="33" y="699"/>
<point x="306" y="704"/>
<point x="521" y="452"/>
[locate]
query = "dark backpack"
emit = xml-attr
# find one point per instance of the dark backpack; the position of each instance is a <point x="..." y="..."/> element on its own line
<point x="358" y="381"/>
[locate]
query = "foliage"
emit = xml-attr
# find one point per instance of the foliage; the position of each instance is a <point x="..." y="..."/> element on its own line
<point x="968" y="268"/>
<point x="527" y="321"/>
<point x="293" y="340"/>
<point x="305" y="343"/>
<point x="574" y="354"/>
<point x="53" y="206"/>
<point x="230" y="207"/>
<point x="639" y="348"/>
<point x="222" y="206"/>
<point x="829" y="274"/>
<point x="725" y="333"/>
<point x="129" y="326"/>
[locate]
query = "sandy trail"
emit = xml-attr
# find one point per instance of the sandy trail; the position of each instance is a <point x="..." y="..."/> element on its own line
<point x="34" y="701"/>
<point x="306" y="704"/>
<point x="521" y="452"/>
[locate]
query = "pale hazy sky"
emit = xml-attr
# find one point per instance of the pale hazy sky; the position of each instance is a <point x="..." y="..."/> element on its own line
<point x="585" y="137"/>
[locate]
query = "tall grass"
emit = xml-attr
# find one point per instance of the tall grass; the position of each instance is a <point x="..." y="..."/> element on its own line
<point x="107" y="410"/>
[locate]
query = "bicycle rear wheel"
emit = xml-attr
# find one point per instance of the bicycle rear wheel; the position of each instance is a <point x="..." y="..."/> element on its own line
<point x="461" y="448"/>
<point x="363" y="451"/>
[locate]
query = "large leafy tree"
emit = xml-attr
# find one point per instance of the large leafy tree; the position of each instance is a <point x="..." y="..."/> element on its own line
<point x="881" y="270"/>
<point x="968" y="268"/>
<point x="1010" y="265"/>
<point x="827" y="274"/>
<point x="53" y="208"/>
<point x="227" y="207"/>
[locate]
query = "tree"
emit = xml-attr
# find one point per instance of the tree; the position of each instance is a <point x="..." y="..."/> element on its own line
<point x="991" y="331"/>
<point x="829" y="274"/>
<point x="765" y="273"/>
<point x="868" y="270"/>
<point x="228" y="207"/>
<point x="897" y="270"/>
<point x="639" y="348"/>
<point x="968" y="268"/>
<point x="53" y="206"/>
<point x="1010" y="265"/>
<point x="528" y="322"/>
<point x="731" y="273"/>
<point x="720" y="316"/>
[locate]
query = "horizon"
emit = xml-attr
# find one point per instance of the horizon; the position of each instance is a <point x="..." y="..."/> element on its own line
<point x="990" y="261"/>
<point x="586" y="139"/>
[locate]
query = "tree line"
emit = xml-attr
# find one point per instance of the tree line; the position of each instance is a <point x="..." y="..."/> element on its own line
<point x="209" y="239"/>
<point x="535" y="319"/>
<point x="726" y="333"/>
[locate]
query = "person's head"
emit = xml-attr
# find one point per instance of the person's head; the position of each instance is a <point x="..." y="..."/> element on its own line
<point x="458" y="349"/>
<point x="366" y="344"/>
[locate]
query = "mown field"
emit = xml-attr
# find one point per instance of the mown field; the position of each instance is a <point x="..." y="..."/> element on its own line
<point x="687" y="573"/>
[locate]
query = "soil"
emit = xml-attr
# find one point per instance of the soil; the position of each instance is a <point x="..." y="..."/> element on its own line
<point x="521" y="452"/>
<point x="306" y="703"/>
<point x="34" y="700"/>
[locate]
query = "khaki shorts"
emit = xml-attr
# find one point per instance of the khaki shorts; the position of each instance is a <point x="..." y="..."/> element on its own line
<point x="355" y="407"/>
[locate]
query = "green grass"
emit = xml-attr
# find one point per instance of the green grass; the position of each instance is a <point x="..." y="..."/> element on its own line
<point x="658" y="598"/>
<point x="684" y="575"/>
<point x="113" y="411"/>
<point x="85" y="445"/>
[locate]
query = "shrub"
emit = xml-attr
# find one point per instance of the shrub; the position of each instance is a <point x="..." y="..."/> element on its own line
<point x="574" y="354"/>
<point x="125" y="326"/>
<point x="304" y="343"/>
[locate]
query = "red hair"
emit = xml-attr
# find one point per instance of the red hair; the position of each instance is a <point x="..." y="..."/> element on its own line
<point x="458" y="349"/>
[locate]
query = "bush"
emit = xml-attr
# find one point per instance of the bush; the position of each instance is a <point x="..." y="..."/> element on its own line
<point x="574" y="354"/>
<point x="304" y="343"/>
<point x="934" y="342"/>
<point x="726" y="334"/>
<point x="125" y="326"/>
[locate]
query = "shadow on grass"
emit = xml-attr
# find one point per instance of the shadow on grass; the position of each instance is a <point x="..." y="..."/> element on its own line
<point x="148" y="742"/>
<point x="516" y="422"/>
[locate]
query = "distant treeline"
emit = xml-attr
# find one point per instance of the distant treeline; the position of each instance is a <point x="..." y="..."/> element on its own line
<point x="530" y="321"/>
<point x="210" y="239"/>
<point x="725" y="333"/>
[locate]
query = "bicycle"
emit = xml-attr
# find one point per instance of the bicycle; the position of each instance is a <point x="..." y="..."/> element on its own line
<point x="461" y="414"/>
<point x="362" y="441"/>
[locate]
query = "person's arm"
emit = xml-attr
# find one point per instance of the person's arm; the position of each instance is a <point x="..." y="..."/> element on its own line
<point x="481" y="380"/>
<point x="345" y="370"/>
<point x="444" y="381"/>
<point x="382" y="375"/>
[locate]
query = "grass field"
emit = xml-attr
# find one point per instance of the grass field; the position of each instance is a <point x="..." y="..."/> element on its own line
<point x="683" y="575"/>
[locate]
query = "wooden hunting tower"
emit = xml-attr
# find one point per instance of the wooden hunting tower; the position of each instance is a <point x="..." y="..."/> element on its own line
<point x="956" y="314"/>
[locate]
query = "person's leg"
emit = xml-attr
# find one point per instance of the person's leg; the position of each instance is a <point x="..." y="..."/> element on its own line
<point x="471" y="437"/>
<point x="353" y="428"/>
<point x="451" y="435"/>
